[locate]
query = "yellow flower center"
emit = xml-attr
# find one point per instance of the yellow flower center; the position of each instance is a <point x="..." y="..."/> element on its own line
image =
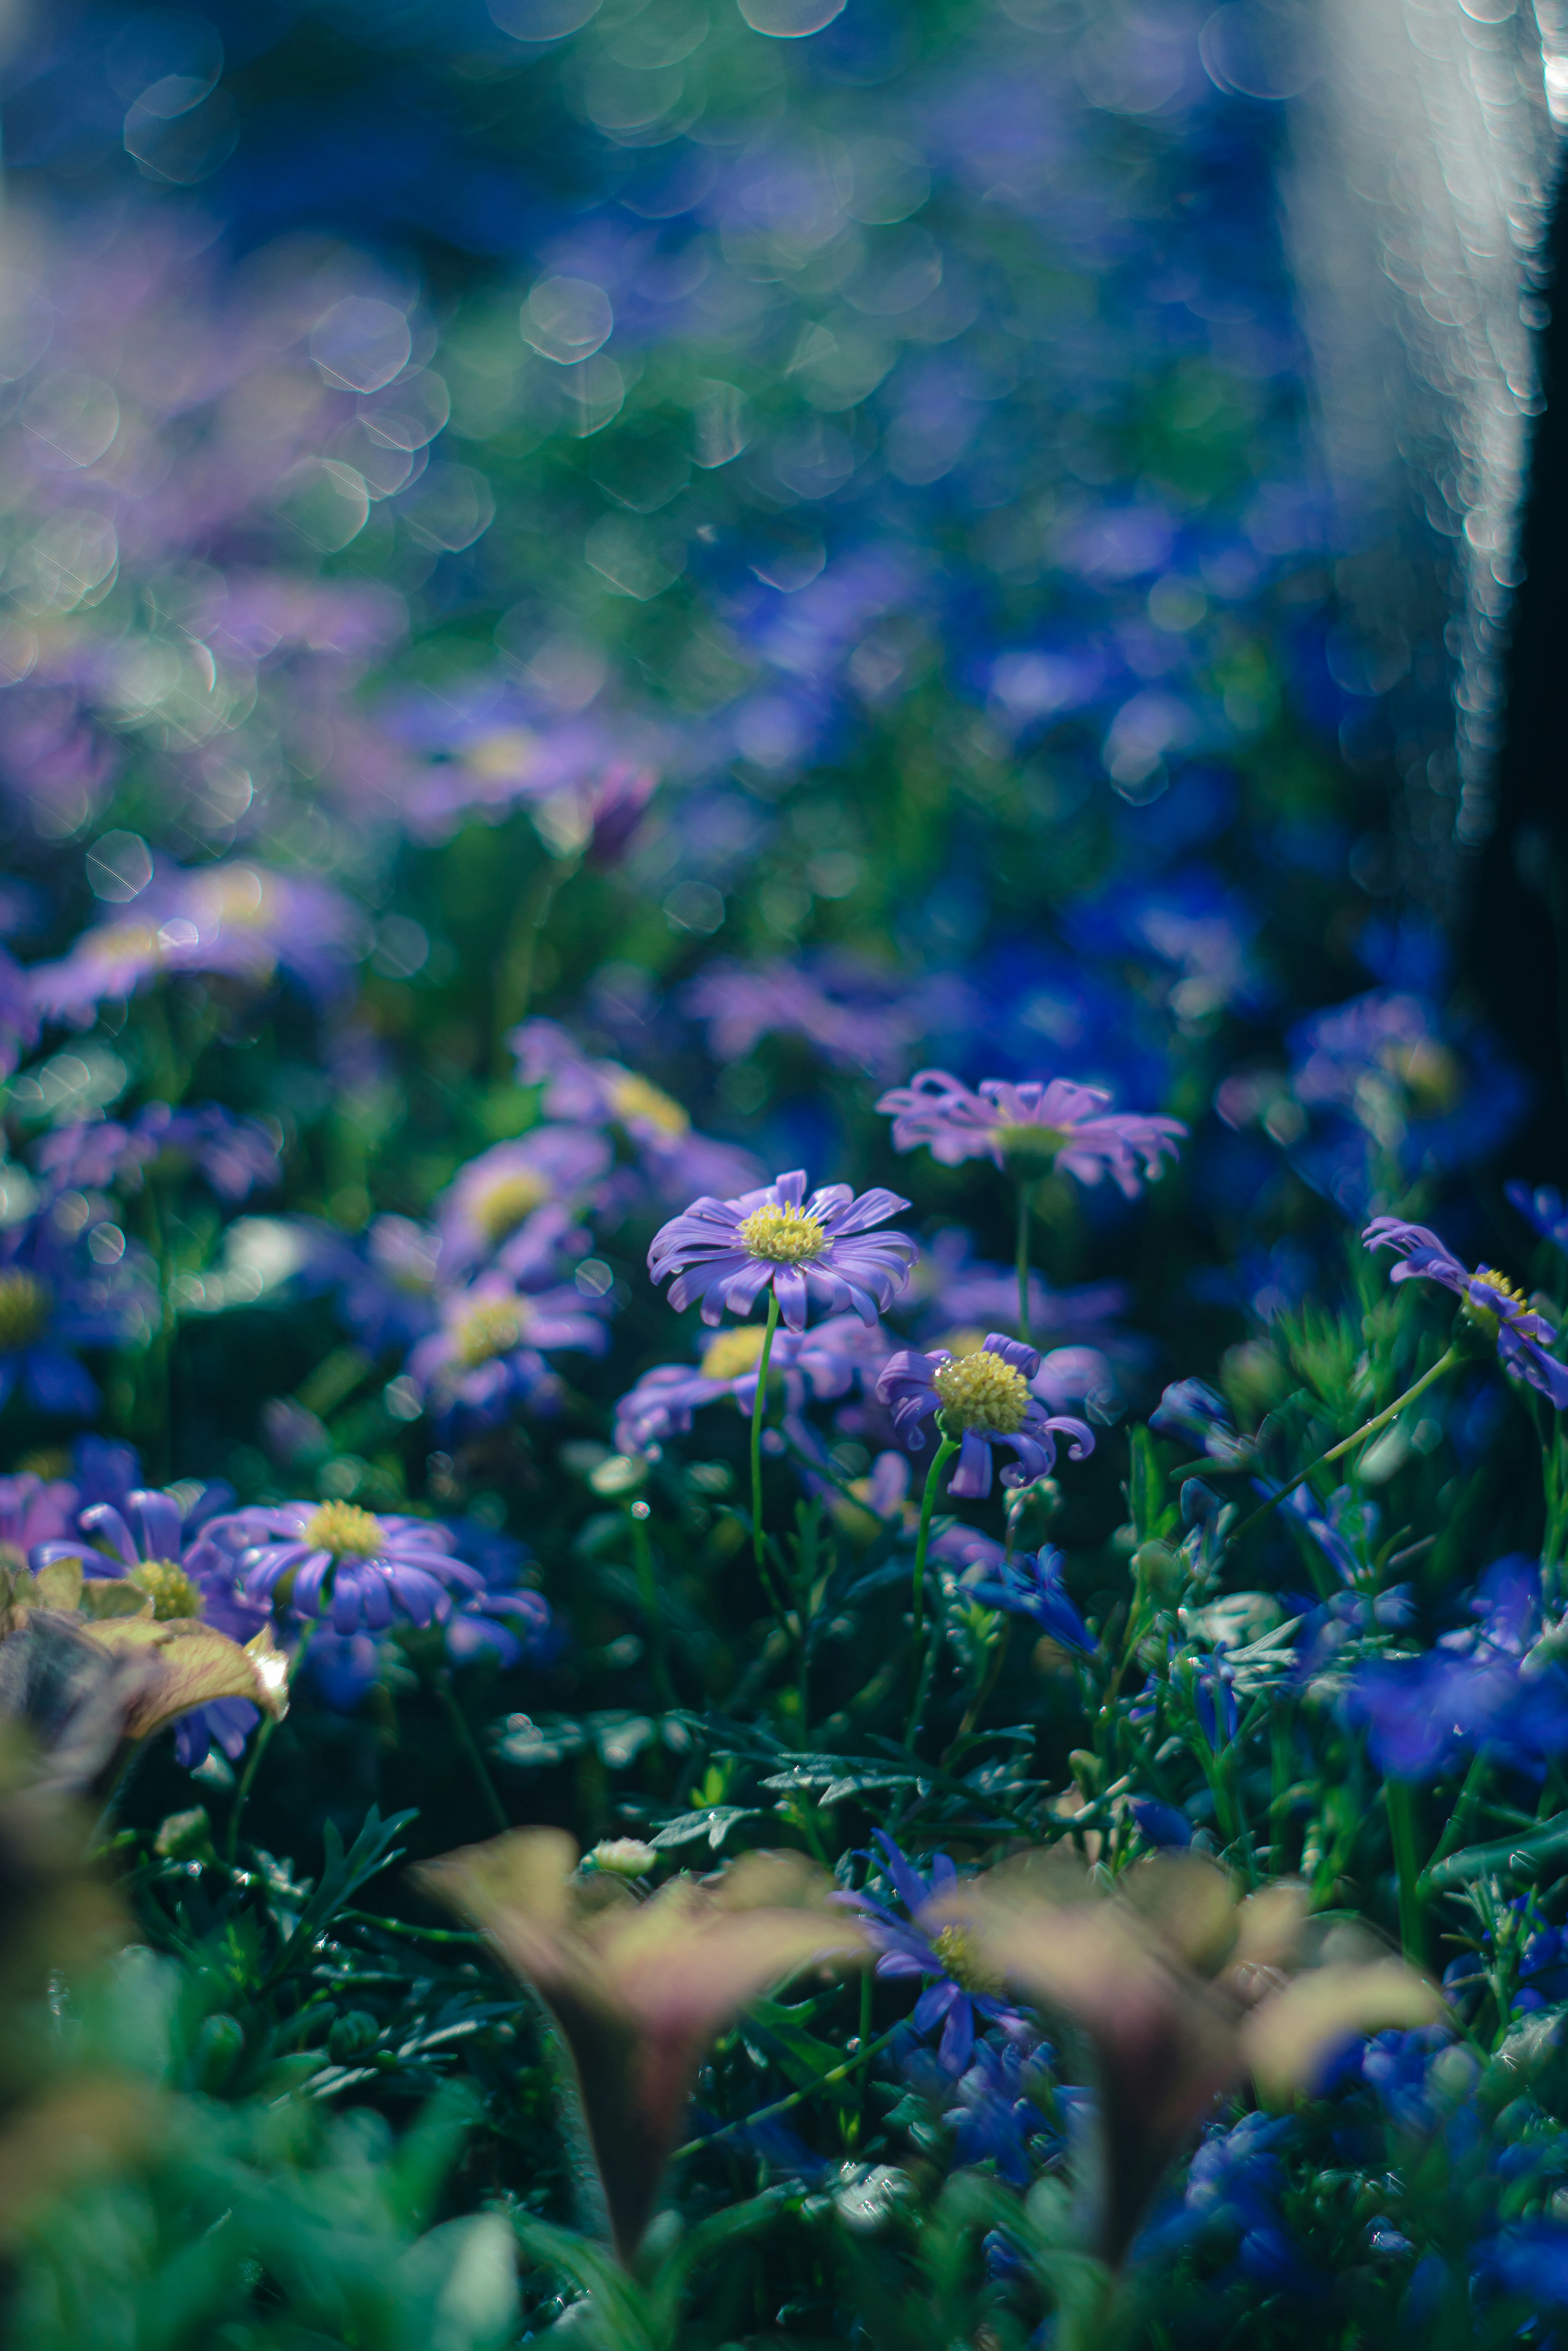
<point x="491" y="1328"/>
<point x="503" y="1206"/>
<point x="47" y="1461"/>
<point x="632" y="1097"/>
<point x="784" y="1236"/>
<point x="958" y="1948"/>
<point x="23" y="1310"/>
<point x="1029" y="1142"/>
<point x="344" y="1530"/>
<point x="510" y="752"/>
<point x="1430" y="1076"/>
<point x="1481" y="1317"/>
<point x="983" y="1391"/>
<point x="732" y="1352"/>
<point x="168" y="1587"/>
<point x="962" y="1342"/>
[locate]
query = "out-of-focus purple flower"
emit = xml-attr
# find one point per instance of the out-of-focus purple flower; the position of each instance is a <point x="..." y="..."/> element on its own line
<point x="958" y="1291"/>
<point x="355" y="1568"/>
<point x="958" y="1986"/>
<point x="581" y="1091"/>
<point x="1491" y="1305"/>
<point x="236" y="1156"/>
<point x="499" y="1205"/>
<point x="664" y="1399"/>
<point x="51" y="1302"/>
<point x="1389" y="1063"/>
<point x="1051" y="1123"/>
<point x="384" y="1281"/>
<point x="725" y="1253"/>
<point x="243" y="921"/>
<point x="1035" y="1587"/>
<point x="151" y="1544"/>
<point x="489" y="1347"/>
<point x="506" y="1620"/>
<point x="343" y="1665"/>
<point x="1544" y="1207"/>
<point x="1200" y="931"/>
<point x="981" y="1400"/>
<point x="34" y="1511"/>
<point x="857" y="1017"/>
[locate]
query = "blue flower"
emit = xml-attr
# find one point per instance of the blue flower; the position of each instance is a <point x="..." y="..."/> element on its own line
<point x="992" y="2116"/>
<point x="1530" y="2258"/>
<point x="1033" y="1587"/>
<point x="335" y="1559"/>
<point x="958" y="1988"/>
<point x="51" y="1303"/>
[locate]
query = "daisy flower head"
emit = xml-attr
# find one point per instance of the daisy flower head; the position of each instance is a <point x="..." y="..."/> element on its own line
<point x="959" y="1986"/>
<point x="978" y="1401"/>
<point x="1492" y="1313"/>
<point x="518" y="1192"/>
<point x="1040" y="1123"/>
<point x="492" y="1347"/>
<point x="821" y="1250"/>
<point x="354" y="1568"/>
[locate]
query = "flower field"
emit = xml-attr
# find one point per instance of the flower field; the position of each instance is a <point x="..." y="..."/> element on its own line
<point x="783" y="1514"/>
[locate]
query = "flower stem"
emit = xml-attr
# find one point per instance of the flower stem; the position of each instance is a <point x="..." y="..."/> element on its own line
<point x="263" y="1740"/>
<point x="862" y="2056"/>
<point x="759" y="1406"/>
<point x="943" y="1455"/>
<point x="653" y="1616"/>
<point x="1024" y="1260"/>
<point x="450" y="1707"/>
<point x="1445" y="1362"/>
<point x="1401" y="1831"/>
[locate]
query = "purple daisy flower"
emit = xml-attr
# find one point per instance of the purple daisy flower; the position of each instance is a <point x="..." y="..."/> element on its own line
<point x="959" y="1987"/>
<point x="151" y="1544"/>
<point x="981" y="1400"/>
<point x="1489" y="1306"/>
<point x="489" y="1348"/>
<point x="725" y="1253"/>
<point x="517" y="1200"/>
<point x="1052" y="1121"/>
<point x="243" y="920"/>
<point x="236" y="1156"/>
<point x="1033" y="1587"/>
<point x="348" y="1565"/>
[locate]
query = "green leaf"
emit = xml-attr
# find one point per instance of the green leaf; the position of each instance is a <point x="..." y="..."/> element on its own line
<point x="714" y="1821"/>
<point x="1516" y="1856"/>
